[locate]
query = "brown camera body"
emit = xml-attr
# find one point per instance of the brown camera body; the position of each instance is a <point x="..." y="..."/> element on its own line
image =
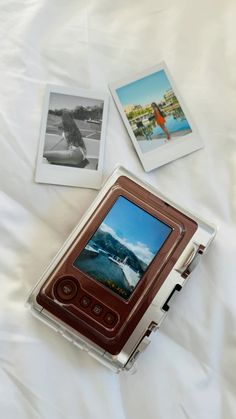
<point x="93" y="310"/>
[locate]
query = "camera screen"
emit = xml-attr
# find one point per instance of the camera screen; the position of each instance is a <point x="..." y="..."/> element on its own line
<point x="123" y="246"/>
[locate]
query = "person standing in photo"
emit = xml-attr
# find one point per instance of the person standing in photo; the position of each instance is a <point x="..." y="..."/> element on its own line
<point x="160" y="119"/>
<point x="75" y="153"/>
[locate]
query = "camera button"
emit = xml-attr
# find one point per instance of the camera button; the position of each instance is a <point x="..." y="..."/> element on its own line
<point x="66" y="289"/>
<point x="97" y="309"/>
<point x="85" y="301"/>
<point x="109" y="318"/>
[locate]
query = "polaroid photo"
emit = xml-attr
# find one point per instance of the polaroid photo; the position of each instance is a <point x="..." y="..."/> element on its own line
<point x="155" y="116"/>
<point x="72" y="138"/>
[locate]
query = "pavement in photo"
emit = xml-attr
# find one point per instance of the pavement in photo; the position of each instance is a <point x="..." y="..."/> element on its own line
<point x="159" y="140"/>
<point x="88" y="129"/>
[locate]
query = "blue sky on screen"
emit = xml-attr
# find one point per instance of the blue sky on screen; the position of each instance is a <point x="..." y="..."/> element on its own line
<point x="145" y="90"/>
<point x="136" y="229"/>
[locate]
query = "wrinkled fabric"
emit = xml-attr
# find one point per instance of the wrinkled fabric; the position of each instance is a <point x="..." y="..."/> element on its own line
<point x="188" y="371"/>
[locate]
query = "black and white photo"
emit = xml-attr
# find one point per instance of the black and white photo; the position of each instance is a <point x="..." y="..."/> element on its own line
<point x="72" y="137"/>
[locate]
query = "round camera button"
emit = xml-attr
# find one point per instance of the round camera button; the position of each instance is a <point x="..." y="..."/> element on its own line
<point x="66" y="289"/>
<point x="109" y="318"/>
<point x="97" y="309"/>
<point x="85" y="301"/>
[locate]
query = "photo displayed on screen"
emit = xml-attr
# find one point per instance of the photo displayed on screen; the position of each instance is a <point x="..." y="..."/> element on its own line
<point x="123" y="247"/>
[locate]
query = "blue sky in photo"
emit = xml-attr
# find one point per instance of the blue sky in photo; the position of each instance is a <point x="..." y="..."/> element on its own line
<point x="145" y="90"/>
<point x="61" y="101"/>
<point x="137" y="229"/>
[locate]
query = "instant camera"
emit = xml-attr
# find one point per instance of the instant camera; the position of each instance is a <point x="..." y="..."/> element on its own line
<point x="110" y="286"/>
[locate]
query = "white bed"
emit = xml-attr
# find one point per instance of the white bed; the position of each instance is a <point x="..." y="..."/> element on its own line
<point x="189" y="369"/>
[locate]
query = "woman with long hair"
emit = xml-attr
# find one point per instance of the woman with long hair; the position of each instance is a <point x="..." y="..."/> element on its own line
<point x="160" y="119"/>
<point x="76" y="150"/>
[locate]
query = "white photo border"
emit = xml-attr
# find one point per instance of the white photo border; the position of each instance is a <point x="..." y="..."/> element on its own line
<point x="169" y="151"/>
<point x="64" y="175"/>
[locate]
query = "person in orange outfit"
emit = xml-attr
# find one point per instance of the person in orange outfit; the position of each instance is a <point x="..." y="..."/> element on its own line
<point x="160" y="120"/>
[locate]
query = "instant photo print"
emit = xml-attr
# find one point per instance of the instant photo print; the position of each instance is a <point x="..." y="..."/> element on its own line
<point x="71" y="146"/>
<point x="155" y="116"/>
<point x="111" y="285"/>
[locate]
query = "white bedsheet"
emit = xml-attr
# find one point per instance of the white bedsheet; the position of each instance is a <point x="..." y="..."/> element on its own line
<point x="189" y="370"/>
